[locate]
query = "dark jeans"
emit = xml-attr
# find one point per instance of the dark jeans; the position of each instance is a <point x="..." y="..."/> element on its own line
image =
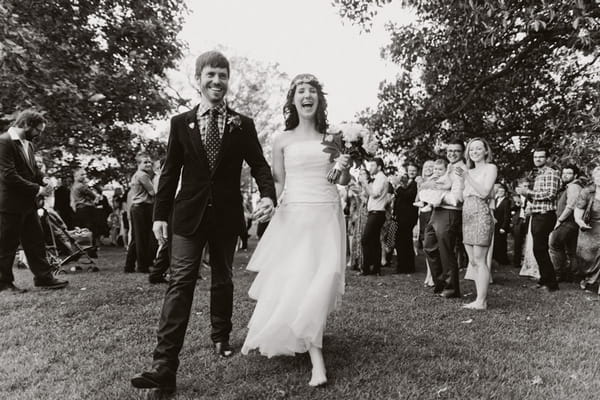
<point x="563" y="248"/>
<point x="541" y="227"/>
<point x="405" y="249"/>
<point x="26" y="229"/>
<point x="186" y="252"/>
<point x="439" y="246"/>
<point x="371" y="243"/>
<point x="519" y="233"/>
<point x="145" y="243"/>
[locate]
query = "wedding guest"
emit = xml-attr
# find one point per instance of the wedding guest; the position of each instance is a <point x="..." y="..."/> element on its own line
<point x="358" y="219"/>
<point x="478" y="223"/>
<point x="542" y="207"/>
<point x="427" y="175"/>
<point x="102" y="211"/>
<point x="83" y="200"/>
<point x="563" y="239"/>
<point x="520" y="224"/>
<point x="378" y="197"/>
<point x="21" y="182"/>
<point x="388" y="230"/>
<point x="142" y="202"/>
<point x="62" y="201"/>
<point x="502" y="227"/>
<point x="587" y="217"/>
<point x="406" y="215"/>
<point x="160" y="264"/>
<point x="425" y="212"/>
<point x="116" y="224"/>
<point x="432" y="191"/>
<point x="442" y="232"/>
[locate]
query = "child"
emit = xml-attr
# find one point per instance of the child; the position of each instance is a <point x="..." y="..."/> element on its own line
<point x="431" y="191"/>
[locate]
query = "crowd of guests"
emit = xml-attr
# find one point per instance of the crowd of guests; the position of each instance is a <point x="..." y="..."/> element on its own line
<point x="461" y="214"/>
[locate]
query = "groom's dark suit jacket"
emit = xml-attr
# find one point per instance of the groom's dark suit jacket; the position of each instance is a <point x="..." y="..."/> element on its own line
<point x="201" y="187"/>
<point x="20" y="179"/>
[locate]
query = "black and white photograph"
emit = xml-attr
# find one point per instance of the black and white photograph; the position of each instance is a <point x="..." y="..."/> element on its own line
<point x="285" y="199"/>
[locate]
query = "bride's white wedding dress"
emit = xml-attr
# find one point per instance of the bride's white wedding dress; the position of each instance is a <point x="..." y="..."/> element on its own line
<point x="300" y="259"/>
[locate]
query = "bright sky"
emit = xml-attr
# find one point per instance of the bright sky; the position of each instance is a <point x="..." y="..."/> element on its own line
<point x="301" y="36"/>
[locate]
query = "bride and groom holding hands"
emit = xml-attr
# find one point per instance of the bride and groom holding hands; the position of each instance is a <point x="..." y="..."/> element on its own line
<point x="300" y="259"/>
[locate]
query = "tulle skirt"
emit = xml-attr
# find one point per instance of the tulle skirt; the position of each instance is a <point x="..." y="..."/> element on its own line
<point x="300" y="262"/>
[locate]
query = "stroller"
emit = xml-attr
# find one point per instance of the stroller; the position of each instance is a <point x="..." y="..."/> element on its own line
<point x="64" y="246"/>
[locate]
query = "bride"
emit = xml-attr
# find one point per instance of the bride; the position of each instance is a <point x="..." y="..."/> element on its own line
<point x="301" y="257"/>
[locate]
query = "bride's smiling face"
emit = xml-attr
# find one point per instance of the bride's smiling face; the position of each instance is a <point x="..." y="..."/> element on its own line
<point x="306" y="100"/>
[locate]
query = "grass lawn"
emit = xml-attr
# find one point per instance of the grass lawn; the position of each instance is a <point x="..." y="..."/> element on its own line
<point x="392" y="339"/>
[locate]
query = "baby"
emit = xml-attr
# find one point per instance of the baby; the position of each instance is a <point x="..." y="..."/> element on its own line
<point x="431" y="191"/>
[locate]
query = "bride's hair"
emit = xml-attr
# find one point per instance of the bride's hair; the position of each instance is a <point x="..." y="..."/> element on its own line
<point x="290" y="113"/>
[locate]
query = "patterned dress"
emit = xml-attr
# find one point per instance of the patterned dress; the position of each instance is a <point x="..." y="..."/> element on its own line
<point x="588" y="242"/>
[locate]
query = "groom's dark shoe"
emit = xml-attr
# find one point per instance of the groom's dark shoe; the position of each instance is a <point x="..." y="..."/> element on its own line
<point x="161" y="379"/>
<point x="223" y="349"/>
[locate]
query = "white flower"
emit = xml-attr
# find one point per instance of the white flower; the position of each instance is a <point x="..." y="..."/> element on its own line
<point x="351" y="132"/>
<point x="191" y="125"/>
<point x="329" y="138"/>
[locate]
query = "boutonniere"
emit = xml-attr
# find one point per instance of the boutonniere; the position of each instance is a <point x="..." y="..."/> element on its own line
<point x="192" y="125"/>
<point x="234" y="121"/>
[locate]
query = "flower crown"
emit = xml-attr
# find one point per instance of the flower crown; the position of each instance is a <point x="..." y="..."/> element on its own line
<point x="304" y="78"/>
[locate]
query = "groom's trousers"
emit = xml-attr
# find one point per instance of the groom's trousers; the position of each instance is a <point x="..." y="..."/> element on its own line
<point x="186" y="253"/>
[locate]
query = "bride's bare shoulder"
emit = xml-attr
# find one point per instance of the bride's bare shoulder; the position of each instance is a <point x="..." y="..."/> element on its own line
<point x="282" y="139"/>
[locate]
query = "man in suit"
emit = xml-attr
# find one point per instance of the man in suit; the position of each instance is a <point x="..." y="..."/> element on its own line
<point x="502" y="226"/>
<point x="20" y="183"/>
<point x="207" y="146"/>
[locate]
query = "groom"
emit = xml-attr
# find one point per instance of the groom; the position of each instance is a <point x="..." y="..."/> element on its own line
<point x="207" y="146"/>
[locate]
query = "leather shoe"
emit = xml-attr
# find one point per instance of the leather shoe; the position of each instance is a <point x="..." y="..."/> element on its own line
<point x="11" y="288"/>
<point x="161" y="379"/>
<point x="449" y="294"/>
<point x="50" y="283"/>
<point x="157" y="279"/>
<point x="223" y="349"/>
<point x="550" y="288"/>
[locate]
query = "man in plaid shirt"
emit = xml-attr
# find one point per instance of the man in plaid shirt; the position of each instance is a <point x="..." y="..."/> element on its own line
<point x="542" y="208"/>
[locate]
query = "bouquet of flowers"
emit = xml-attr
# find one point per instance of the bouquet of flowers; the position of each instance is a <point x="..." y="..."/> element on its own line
<point x="352" y="139"/>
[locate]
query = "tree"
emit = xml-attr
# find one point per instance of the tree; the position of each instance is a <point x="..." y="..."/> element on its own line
<point x="93" y="67"/>
<point x="515" y="72"/>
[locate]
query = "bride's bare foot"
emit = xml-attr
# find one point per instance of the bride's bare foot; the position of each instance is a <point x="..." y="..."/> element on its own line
<point x="476" y="305"/>
<point x="318" y="378"/>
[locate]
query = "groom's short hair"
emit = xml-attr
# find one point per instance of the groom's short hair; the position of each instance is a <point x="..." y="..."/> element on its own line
<point x="213" y="59"/>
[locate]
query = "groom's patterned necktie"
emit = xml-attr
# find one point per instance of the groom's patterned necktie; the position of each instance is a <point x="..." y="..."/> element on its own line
<point x="213" y="139"/>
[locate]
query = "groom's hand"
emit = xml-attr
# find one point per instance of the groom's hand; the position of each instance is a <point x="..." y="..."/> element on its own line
<point x="160" y="231"/>
<point x="264" y="210"/>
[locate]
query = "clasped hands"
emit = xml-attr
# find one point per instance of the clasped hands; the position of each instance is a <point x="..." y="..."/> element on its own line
<point x="264" y="212"/>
